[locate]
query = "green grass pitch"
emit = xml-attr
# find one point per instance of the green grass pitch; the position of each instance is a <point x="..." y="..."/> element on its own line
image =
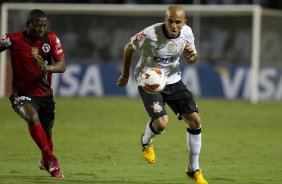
<point x="97" y="140"/>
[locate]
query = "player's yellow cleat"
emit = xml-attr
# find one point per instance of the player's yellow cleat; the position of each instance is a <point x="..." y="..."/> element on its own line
<point x="149" y="154"/>
<point x="197" y="176"/>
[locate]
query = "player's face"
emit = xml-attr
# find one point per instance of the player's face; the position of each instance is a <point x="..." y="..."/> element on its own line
<point x="174" y="24"/>
<point x="37" y="28"/>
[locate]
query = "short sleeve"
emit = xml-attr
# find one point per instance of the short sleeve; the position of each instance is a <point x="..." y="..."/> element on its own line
<point x="57" y="50"/>
<point x="138" y="40"/>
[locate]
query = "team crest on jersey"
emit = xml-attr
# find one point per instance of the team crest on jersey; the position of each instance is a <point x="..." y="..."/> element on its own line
<point x="170" y="47"/>
<point x="46" y="47"/>
<point x="157" y="108"/>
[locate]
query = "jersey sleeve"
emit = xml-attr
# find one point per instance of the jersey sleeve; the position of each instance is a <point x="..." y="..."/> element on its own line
<point x="5" y="42"/>
<point x="138" y="40"/>
<point x="189" y="37"/>
<point x="56" y="47"/>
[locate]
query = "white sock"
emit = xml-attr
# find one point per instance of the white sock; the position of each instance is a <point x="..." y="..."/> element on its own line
<point x="194" y="145"/>
<point x="148" y="134"/>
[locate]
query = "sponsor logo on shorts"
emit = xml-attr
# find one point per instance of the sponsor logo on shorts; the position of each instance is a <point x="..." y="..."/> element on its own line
<point x="21" y="98"/>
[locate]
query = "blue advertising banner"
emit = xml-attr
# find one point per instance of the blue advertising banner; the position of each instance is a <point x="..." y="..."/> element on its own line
<point x="232" y="82"/>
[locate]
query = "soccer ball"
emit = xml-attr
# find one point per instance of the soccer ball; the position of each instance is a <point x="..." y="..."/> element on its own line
<point x="153" y="80"/>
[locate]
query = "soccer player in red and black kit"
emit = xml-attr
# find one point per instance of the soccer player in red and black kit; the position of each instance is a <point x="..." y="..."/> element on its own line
<point x="35" y="55"/>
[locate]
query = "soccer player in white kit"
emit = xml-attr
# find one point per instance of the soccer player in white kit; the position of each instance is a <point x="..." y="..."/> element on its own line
<point x="161" y="46"/>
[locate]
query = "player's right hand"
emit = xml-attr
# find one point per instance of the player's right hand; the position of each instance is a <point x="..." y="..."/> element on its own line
<point x="122" y="81"/>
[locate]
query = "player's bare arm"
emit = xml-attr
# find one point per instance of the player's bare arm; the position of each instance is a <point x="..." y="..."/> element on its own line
<point x="58" y="67"/>
<point x="127" y="58"/>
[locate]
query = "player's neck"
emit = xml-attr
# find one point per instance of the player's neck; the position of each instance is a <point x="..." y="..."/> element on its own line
<point x="30" y="37"/>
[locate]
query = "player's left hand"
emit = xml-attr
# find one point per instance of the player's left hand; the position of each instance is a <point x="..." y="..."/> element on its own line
<point x="122" y="81"/>
<point x="189" y="53"/>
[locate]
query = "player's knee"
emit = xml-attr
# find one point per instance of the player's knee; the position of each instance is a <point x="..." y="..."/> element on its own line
<point x="30" y="118"/>
<point x="48" y="132"/>
<point x="192" y="120"/>
<point x="47" y="126"/>
<point x="29" y="113"/>
<point x="33" y="119"/>
<point x="161" y="123"/>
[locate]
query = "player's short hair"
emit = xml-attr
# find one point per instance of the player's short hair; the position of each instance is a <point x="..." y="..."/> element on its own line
<point x="35" y="14"/>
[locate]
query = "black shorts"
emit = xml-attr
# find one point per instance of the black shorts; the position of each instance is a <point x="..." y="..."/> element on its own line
<point x="176" y="96"/>
<point x="45" y="106"/>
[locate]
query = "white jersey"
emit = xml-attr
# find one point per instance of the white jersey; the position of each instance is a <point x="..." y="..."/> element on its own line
<point x="161" y="52"/>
